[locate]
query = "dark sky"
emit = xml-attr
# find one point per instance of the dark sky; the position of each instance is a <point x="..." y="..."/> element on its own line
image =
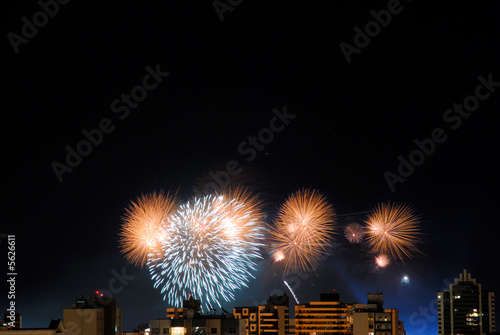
<point x="353" y="120"/>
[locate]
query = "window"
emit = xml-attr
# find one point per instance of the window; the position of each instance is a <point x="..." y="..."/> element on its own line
<point x="178" y="331"/>
<point x="198" y="331"/>
<point x="213" y="330"/>
<point x="166" y="331"/>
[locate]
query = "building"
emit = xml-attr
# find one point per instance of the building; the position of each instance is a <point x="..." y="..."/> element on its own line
<point x="55" y="327"/>
<point x="251" y="317"/>
<point x="14" y="320"/>
<point x="326" y="316"/>
<point x="189" y="320"/>
<point x="465" y="308"/>
<point x="291" y="327"/>
<point x="97" y="315"/>
<point x="372" y="319"/>
<point x="272" y="318"/>
<point x="142" y="329"/>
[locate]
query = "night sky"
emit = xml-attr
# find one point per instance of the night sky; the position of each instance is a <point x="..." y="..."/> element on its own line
<point x="349" y="120"/>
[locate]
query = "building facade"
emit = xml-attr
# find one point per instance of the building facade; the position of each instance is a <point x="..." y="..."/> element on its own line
<point x="372" y="319"/>
<point x="326" y="316"/>
<point x="88" y="321"/>
<point x="189" y="320"/>
<point x="272" y="318"/>
<point x="465" y="309"/>
<point x="96" y="315"/>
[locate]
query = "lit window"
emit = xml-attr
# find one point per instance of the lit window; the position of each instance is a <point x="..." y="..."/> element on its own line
<point x="178" y="331"/>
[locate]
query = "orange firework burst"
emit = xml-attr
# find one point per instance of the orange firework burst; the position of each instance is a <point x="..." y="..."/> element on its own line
<point x="303" y="230"/>
<point x="143" y="223"/>
<point x="393" y="229"/>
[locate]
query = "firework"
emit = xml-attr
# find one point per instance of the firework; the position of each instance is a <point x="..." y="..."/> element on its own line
<point x="302" y="231"/>
<point x="382" y="261"/>
<point x="141" y="232"/>
<point x="210" y="248"/>
<point x="393" y="229"/>
<point x="294" y="296"/>
<point x="354" y="232"/>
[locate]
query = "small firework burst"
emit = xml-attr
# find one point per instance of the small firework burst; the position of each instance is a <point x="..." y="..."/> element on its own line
<point x="354" y="233"/>
<point x="382" y="261"/>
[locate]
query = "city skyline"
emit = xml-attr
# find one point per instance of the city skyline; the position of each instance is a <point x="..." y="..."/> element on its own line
<point x="387" y="101"/>
<point x="426" y="314"/>
<point x="354" y="317"/>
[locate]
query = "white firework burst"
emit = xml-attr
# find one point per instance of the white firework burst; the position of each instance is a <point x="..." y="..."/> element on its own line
<point x="209" y="250"/>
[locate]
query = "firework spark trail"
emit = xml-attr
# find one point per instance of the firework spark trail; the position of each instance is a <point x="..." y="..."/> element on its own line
<point x="141" y="232"/>
<point x="393" y="229"/>
<point x="302" y="231"/>
<point x="354" y="233"/>
<point x="296" y="300"/>
<point x="211" y="250"/>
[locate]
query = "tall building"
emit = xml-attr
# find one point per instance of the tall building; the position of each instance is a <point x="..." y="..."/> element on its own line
<point x="189" y="320"/>
<point x="372" y="319"/>
<point x="96" y="315"/>
<point x="465" y="309"/>
<point x="272" y="318"/>
<point x="326" y="316"/>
